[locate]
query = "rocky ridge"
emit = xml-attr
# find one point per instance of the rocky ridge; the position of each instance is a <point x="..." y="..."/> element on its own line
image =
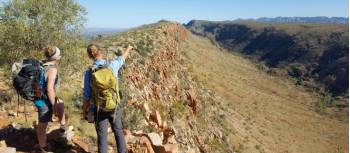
<point x="164" y="97"/>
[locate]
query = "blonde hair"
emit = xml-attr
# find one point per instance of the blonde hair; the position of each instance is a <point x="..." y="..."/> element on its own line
<point x="93" y="50"/>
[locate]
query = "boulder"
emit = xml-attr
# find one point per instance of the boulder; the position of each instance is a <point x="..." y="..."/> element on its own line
<point x="3" y="144"/>
<point x="155" y="139"/>
<point x="8" y="150"/>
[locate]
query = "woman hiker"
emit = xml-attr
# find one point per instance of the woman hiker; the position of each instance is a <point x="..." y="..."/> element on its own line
<point x="51" y="104"/>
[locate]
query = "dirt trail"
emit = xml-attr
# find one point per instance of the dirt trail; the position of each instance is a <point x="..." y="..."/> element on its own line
<point x="266" y="113"/>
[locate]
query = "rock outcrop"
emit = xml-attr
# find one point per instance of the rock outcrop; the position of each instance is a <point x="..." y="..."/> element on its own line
<point x="157" y="83"/>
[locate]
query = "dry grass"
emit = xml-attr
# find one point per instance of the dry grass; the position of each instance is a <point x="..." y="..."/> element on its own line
<point x="256" y="101"/>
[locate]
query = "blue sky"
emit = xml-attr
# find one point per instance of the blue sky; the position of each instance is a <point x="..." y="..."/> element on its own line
<point x="131" y="13"/>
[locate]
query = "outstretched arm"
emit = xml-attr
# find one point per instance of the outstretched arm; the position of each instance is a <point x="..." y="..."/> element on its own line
<point x="127" y="52"/>
<point x="117" y="63"/>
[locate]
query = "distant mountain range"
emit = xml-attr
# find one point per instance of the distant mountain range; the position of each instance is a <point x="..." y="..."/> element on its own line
<point x="319" y="19"/>
<point x="94" y="32"/>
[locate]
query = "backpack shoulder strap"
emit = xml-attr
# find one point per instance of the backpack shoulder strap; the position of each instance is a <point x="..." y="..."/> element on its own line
<point x="95" y="68"/>
<point x="46" y="67"/>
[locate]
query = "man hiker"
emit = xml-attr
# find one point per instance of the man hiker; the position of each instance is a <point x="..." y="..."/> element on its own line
<point x="101" y="93"/>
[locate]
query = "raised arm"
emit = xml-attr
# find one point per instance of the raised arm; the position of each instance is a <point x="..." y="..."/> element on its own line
<point x="118" y="62"/>
<point x="127" y="52"/>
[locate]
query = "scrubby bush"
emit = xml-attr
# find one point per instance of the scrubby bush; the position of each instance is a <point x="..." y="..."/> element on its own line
<point x="32" y="24"/>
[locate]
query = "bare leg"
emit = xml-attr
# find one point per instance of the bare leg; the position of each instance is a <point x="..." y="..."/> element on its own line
<point x="41" y="134"/>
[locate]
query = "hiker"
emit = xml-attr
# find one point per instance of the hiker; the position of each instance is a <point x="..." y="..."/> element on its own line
<point x="106" y="109"/>
<point x="51" y="104"/>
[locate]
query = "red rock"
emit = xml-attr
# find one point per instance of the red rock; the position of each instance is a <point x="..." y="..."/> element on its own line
<point x="86" y="147"/>
<point x="192" y="102"/>
<point x="169" y="135"/>
<point x="145" y="141"/>
<point x="155" y="117"/>
<point x="167" y="148"/>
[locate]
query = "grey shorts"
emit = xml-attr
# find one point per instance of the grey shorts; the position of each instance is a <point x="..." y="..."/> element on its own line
<point x="44" y="111"/>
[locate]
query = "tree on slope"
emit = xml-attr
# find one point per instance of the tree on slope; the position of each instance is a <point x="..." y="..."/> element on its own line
<point x="28" y="25"/>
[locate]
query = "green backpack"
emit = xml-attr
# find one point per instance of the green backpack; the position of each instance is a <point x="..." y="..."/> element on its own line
<point x="104" y="88"/>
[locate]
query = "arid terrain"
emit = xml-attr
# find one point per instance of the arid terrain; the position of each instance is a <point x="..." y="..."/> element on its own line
<point x="198" y="97"/>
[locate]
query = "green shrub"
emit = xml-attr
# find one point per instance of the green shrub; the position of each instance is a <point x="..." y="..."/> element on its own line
<point x="33" y="24"/>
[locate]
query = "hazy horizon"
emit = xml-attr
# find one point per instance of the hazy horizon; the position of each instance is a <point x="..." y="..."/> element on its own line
<point x="134" y="13"/>
<point x="125" y="28"/>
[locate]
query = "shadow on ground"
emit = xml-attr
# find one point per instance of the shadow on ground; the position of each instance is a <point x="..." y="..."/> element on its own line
<point x="24" y="140"/>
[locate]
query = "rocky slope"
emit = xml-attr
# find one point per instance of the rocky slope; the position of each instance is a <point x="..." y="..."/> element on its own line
<point x="315" y="54"/>
<point x="214" y="101"/>
<point x="182" y="93"/>
<point x="159" y="86"/>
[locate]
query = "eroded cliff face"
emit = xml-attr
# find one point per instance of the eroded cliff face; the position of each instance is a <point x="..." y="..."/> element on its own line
<point x="159" y="90"/>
